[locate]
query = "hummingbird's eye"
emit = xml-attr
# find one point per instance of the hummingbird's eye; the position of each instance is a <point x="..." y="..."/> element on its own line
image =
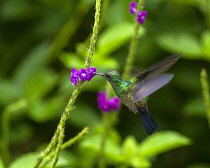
<point x="108" y="76"/>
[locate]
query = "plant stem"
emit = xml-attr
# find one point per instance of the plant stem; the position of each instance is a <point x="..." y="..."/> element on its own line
<point x="93" y="39"/>
<point x="6" y="115"/>
<point x="106" y="117"/>
<point x="133" y="45"/>
<point x="61" y="126"/>
<point x="109" y="119"/>
<point x="65" y="145"/>
<point x="208" y="13"/>
<point x="101" y="163"/>
<point x="69" y="28"/>
<point x="205" y="90"/>
<point x="58" y="148"/>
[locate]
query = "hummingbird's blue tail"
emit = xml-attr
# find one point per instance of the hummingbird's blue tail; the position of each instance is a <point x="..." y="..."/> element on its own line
<point x="147" y="121"/>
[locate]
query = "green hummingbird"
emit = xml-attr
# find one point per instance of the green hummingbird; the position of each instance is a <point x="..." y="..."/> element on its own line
<point x="132" y="92"/>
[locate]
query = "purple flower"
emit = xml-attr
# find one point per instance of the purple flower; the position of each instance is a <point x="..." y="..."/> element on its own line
<point x="142" y="16"/>
<point x="82" y="74"/>
<point x="107" y="105"/>
<point x="91" y="73"/>
<point x="114" y="103"/>
<point x="133" y="7"/>
<point x="74" y="78"/>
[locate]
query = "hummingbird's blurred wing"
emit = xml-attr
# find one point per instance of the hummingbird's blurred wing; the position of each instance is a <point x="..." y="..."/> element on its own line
<point x="157" y="68"/>
<point x="148" y="86"/>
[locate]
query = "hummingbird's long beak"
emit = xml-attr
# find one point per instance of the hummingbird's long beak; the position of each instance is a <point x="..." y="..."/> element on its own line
<point x="99" y="74"/>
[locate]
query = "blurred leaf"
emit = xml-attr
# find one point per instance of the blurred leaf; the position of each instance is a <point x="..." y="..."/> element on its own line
<point x="21" y="9"/>
<point x="138" y="162"/>
<point x="27" y="160"/>
<point x="24" y="161"/>
<point x="39" y="84"/>
<point x="115" y="37"/>
<point x="106" y="63"/>
<point x="199" y="165"/>
<point x="35" y="60"/>
<point x="9" y="92"/>
<point x="195" y="107"/>
<point x="161" y="142"/>
<point x="84" y="115"/>
<point x="92" y="145"/>
<point x="129" y="147"/>
<point x="130" y="151"/>
<point x="21" y="133"/>
<point x="187" y="2"/>
<point x="205" y="39"/>
<point x="181" y="42"/>
<point x="71" y="60"/>
<point x="42" y="111"/>
<point x="1" y="164"/>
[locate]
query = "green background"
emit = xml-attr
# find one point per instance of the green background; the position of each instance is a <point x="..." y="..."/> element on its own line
<point x="40" y="40"/>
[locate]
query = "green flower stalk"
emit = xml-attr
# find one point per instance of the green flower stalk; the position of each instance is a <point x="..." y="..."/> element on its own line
<point x="133" y="45"/>
<point x="128" y="66"/>
<point x="57" y="139"/>
<point x="5" y="127"/>
<point x="93" y="39"/>
<point x="67" y="144"/>
<point x="205" y="90"/>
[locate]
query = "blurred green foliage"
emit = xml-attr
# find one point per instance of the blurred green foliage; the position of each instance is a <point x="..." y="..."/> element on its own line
<point x="41" y="40"/>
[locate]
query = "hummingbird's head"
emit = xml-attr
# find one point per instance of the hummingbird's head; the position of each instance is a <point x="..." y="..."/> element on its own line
<point x="111" y="76"/>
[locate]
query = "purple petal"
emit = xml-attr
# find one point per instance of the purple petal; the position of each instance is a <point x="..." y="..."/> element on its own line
<point x="133" y="4"/>
<point x="74" y="80"/>
<point x="91" y="73"/>
<point x="142" y="16"/>
<point x="73" y="71"/>
<point x="114" y="103"/>
<point x="82" y="74"/>
<point x="133" y="10"/>
<point x="103" y="104"/>
<point x="144" y="13"/>
<point x="101" y="97"/>
<point x="132" y="7"/>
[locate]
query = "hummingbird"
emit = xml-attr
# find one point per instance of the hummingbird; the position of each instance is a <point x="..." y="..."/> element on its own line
<point x="132" y="92"/>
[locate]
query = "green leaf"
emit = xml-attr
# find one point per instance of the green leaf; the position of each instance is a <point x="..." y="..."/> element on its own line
<point x="39" y="84"/>
<point x="130" y="154"/>
<point x="35" y="60"/>
<point x="9" y="91"/>
<point x="187" y="2"/>
<point x="195" y="107"/>
<point x="84" y="115"/>
<point x="25" y="161"/>
<point x="115" y="37"/>
<point x="205" y="39"/>
<point x="21" y="9"/>
<point x="181" y="42"/>
<point x="129" y="147"/>
<point x="199" y="165"/>
<point x="138" y="161"/>
<point x="161" y="142"/>
<point x="44" y="110"/>
<point x="28" y="160"/>
<point x="71" y="60"/>
<point x="1" y="164"/>
<point x="92" y="144"/>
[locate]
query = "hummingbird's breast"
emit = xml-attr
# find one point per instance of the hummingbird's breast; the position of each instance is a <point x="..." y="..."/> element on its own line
<point x="126" y="99"/>
<point x="124" y="91"/>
